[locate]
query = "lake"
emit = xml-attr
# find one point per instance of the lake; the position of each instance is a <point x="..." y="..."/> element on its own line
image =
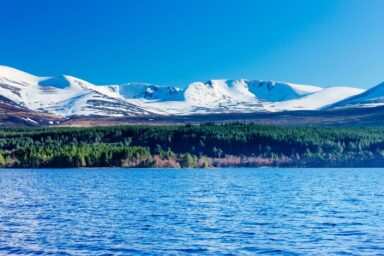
<point x="201" y="211"/>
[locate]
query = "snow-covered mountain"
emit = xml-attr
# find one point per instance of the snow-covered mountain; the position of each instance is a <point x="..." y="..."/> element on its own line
<point x="69" y="96"/>
<point x="224" y="96"/>
<point x="373" y="97"/>
<point x="63" y="95"/>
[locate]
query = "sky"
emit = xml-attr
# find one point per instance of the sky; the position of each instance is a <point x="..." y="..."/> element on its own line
<point x="177" y="42"/>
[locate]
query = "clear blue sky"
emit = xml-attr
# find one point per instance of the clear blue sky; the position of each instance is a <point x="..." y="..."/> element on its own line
<point x="176" y="42"/>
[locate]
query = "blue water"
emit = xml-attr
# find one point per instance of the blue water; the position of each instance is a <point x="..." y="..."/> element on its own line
<point x="196" y="212"/>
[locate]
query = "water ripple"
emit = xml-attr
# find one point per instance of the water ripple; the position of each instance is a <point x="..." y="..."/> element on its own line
<point x="192" y="212"/>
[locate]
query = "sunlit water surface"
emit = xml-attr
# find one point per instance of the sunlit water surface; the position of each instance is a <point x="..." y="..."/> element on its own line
<point x="177" y="212"/>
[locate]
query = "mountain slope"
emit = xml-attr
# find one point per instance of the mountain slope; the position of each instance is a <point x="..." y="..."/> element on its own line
<point x="317" y="100"/>
<point x="373" y="97"/>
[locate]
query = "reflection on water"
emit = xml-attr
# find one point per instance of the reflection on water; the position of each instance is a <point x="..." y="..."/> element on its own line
<point x="208" y="212"/>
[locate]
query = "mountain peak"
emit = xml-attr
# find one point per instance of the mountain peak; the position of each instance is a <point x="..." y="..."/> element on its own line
<point x="13" y="74"/>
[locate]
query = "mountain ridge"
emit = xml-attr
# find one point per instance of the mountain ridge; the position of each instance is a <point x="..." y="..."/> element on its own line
<point x="66" y="96"/>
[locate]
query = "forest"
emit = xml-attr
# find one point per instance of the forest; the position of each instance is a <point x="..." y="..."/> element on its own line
<point x="204" y="145"/>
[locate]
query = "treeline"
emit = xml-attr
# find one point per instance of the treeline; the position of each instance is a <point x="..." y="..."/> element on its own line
<point x="205" y="145"/>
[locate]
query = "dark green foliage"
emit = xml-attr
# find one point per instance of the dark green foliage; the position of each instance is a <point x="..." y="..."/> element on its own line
<point x="187" y="160"/>
<point x="2" y="160"/>
<point x="136" y="145"/>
